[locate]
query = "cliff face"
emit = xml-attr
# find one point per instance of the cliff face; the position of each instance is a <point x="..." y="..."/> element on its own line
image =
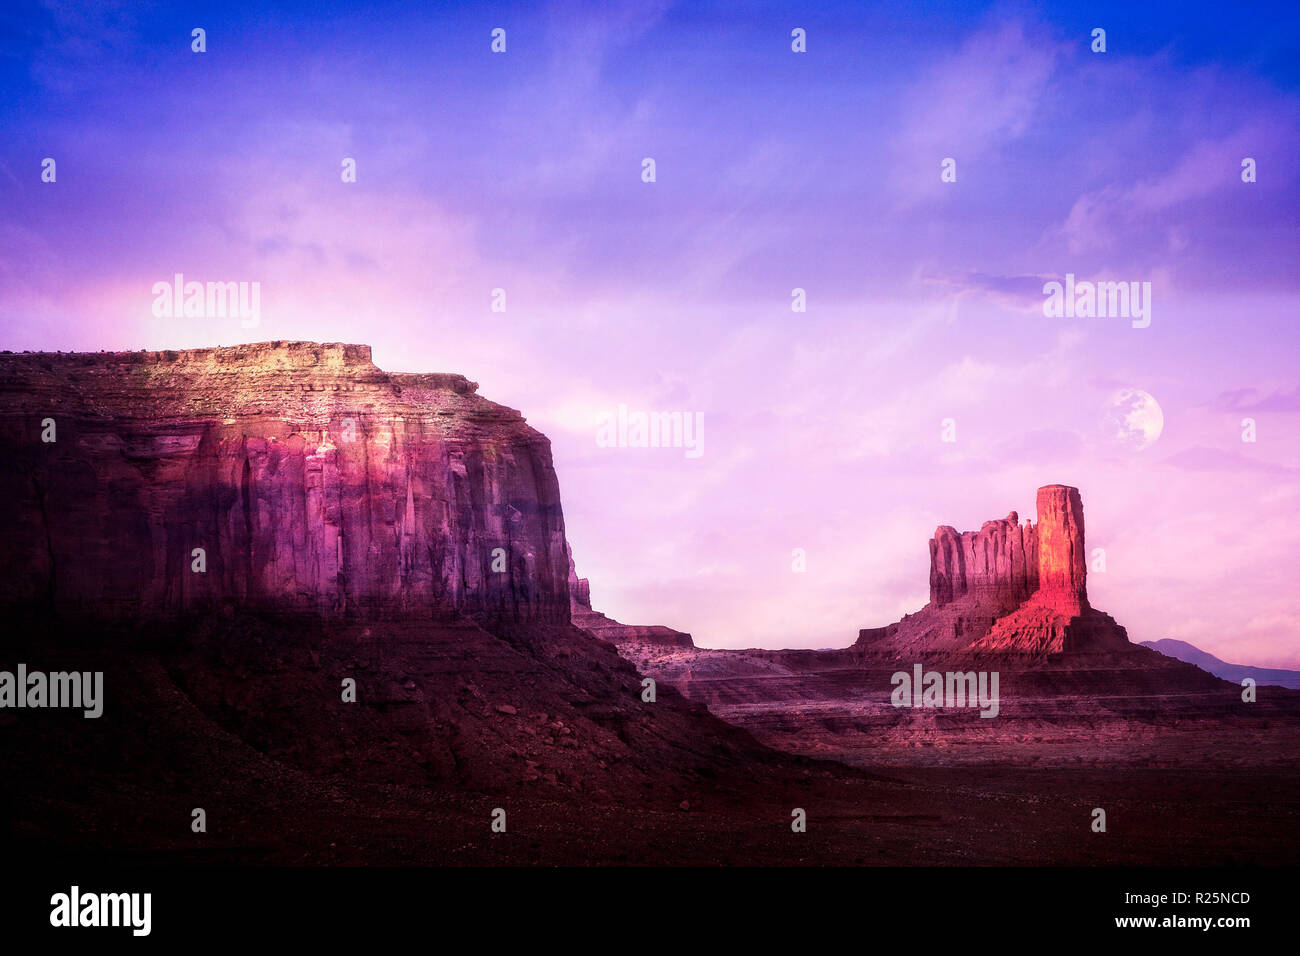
<point x="1005" y="562"/>
<point x="1000" y="561"/>
<point x="1062" y="565"/>
<point x="310" y="479"/>
<point x="393" y="536"/>
<point x="1007" y="588"/>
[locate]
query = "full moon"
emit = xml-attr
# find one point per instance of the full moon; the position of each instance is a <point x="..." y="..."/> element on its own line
<point x="1132" y="418"/>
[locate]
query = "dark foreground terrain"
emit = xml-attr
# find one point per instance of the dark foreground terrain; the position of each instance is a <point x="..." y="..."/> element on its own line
<point x="244" y="719"/>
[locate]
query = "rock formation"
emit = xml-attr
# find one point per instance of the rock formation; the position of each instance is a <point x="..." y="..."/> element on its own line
<point x="1010" y="598"/>
<point x="395" y="531"/>
<point x="310" y="479"/>
<point x="1062" y="568"/>
<point x="608" y="629"/>
<point x="401" y="536"/>
<point x="997" y="563"/>
<point x="1007" y="588"/>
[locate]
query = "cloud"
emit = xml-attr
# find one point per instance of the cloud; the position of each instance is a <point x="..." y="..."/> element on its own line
<point x="78" y="36"/>
<point x="1203" y="458"/>
<point x="1019" y="293"/>
<point x="1044" y="446"/>
<point x="1251" y="400"/>
<point x="1103" y="219"/>
<point x="972" y="103"/>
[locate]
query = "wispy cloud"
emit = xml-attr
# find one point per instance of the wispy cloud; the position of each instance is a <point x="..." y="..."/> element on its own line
<point x="972" y="103"/>
<point x="1253" y="400"/>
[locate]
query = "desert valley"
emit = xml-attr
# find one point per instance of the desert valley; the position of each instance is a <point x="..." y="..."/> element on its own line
<point x="335" y="608"/>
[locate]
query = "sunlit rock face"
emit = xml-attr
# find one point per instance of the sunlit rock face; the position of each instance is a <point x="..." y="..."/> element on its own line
<point x="310" y="479"/>
<point x="1057" y="617"/>
<point x="1062" y="566"/>
<point x="1007" y="562"/>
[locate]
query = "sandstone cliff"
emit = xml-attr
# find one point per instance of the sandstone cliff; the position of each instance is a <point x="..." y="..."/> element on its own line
<point x="395" y="531"/>
<point x="310" y="479"/>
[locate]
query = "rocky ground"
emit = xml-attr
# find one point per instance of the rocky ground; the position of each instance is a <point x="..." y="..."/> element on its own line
<point x="453" y="722"/>
<point x="1152" y="713"/>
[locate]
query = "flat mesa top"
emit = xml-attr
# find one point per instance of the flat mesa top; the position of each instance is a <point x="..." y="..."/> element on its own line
<point x="290" y="353"/>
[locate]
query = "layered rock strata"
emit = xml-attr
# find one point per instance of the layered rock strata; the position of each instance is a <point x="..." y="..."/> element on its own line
<point x="283" y="476"/>
<point x="380" y="593"/>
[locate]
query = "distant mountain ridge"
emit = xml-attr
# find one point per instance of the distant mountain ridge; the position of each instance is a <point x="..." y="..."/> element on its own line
<point x="1233" y="672"/>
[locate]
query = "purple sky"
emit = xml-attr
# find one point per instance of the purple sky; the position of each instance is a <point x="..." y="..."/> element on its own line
<point x="775" y="170"/>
